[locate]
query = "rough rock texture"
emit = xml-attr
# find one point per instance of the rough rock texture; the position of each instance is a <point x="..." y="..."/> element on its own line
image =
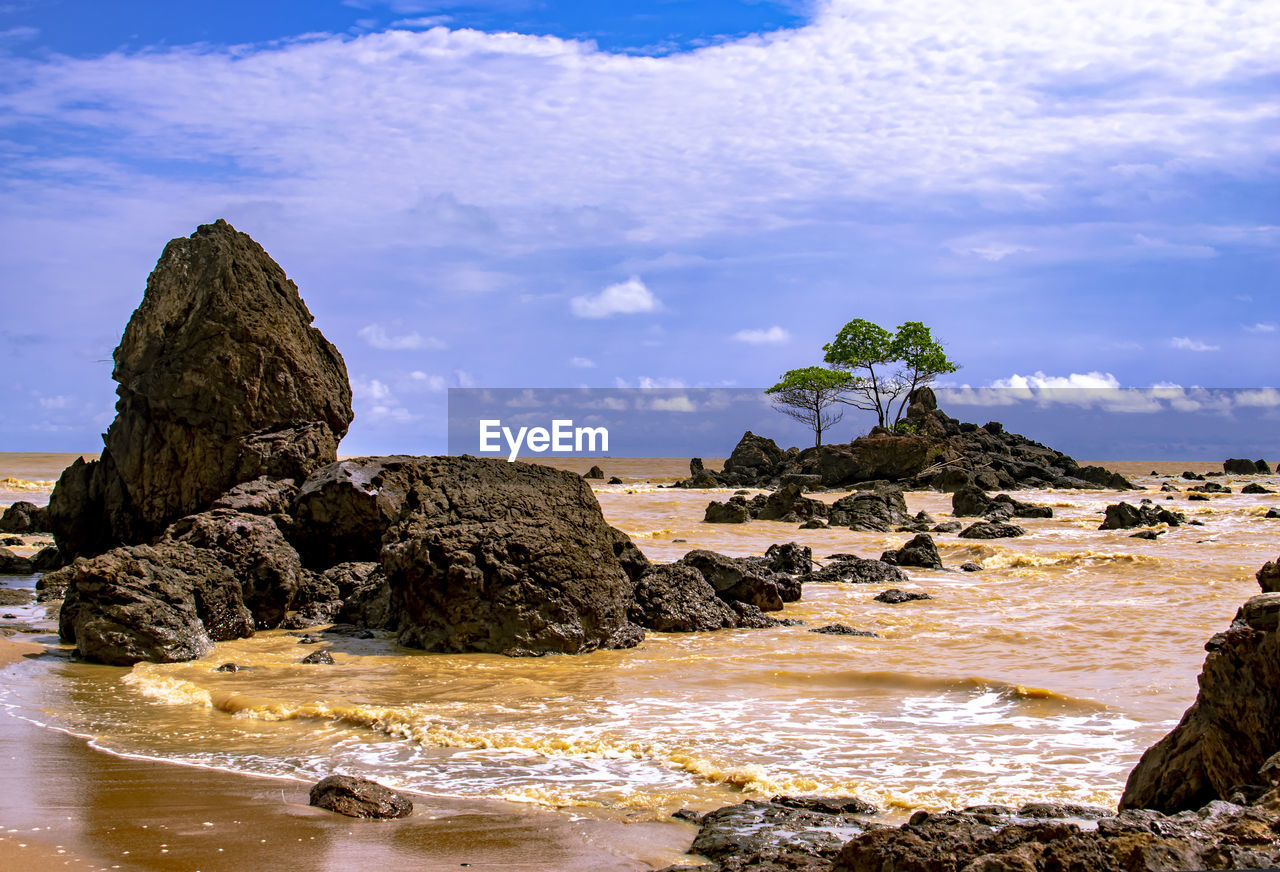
<point x="360" y="798"/>
<point x="894" y="595"/>
<point x="164" y="604"/>
<point x="1123" y="516"/>
<point x="1269" y="576"/>
<point x="737" y="579"/>
<point x="24" y="517"/>
<point x="920" y="551"/>
<point x="942" y="453"/>
<point x="253" y="548"/>
<point x="676" y="598"/>
<point x="594" y="472"/>
<point x="856" y="570"/>
<point x="1240" y="466"/>
<point x="1255" y="488"/>
<point x="785" y="504"/>
<point x="221" y="380"/>
<point x="993" y="839"/>
<point x="508" y="558"/>
<point x="992" y="530"/>
<point x="1232" y="728"/>
<point x="13" y="564"/>
<point x="343" y="509"/>
<point x="973" y="502"/>
<point x="261" y="496"/>
<point x="881" y="509"/>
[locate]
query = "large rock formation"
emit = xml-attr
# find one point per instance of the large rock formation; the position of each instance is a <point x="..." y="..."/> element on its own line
<point x="221" y="380"/>
<point x="1233" y="727"/>
<point x="933" y="450"/>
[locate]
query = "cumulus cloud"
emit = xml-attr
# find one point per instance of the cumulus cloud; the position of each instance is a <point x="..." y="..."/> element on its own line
<point x="1186" y="343"/>
<point x="1092" y="380"/>
<point x="378" y="337"/>
<point x="582" y="362"/>
<point x="770" y="336"/>
<point x="374" y="398"/>
<point x="624" y="298"/>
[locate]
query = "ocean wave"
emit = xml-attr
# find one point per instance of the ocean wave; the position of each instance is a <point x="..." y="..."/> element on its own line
<point x="21" y="484"/>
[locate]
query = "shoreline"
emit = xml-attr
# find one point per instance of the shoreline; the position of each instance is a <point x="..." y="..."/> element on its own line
<point x="105" y="811"/>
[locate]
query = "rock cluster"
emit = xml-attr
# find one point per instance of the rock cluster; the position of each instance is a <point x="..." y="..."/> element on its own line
<point x="879" y="507"/>
<point x="1241" y="466"/>
<point x="939" y="452"/>
<point x="1123" y="516"/>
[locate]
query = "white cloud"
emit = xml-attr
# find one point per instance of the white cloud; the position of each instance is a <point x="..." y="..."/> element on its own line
<point x="624" y="298"/>
<point x="673" y="404"/>
<point x="1186" y="343"/>
<point x="427" y="21"/>
<point x="378" y="337"/>
<point x="997" y="251"/>
<point x="582" y="362"/>
<point x="375" y="399"/>
<point x="430" y="382"/>
<point x="1262" y="327"/>
<point x="771" y="336"/>
<point x="1093" y="380"/>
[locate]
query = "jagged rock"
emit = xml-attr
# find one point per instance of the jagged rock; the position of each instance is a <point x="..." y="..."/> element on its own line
<point x="1122" y="516"/>
<point x="1269" y="576"/>
<point x="752" y="456"/>
<point x="13" y="564"/>
<point x="615" y="480"/>
<point x="893" y="596"/>
<point x="1263" y="467"/>
<point x="1231" y="729"/>
<point x="221" y="380"/>
<point x="509" y="558"/>
<point x="359" y="798"/>
<point x="970" y="566"/>
<point x="165" y="603"/>
<point x="789" y="501"/>
<point x="1239" y="466"/>
<point x="733" y="511"/>
<point x="789" y="558"/>
<point x="1188" y="475"/>
<point x="992" y="530"/>
<point x="344" y="508"/>
<point x="261" y="496"/>
<point x="736" y="579"/>
<point x="972" y="502"/>
<point x="255" y="551"/>
<point x="920" y="551"/>
<point x="47" y="559"/>
<point x="676" y="598"/>
<point x="594" y="472"/>
<point x="1220" y="836"/>
<point x="1167" y="488"/>
<point x="24" y="517"/>
<point x="856" y="570"/>
<point x="1255" y="488"/>
<point x="321" y="657"/>
<point x="880" y="510"/>
<point x="947" y="527"/>
<point x="843" y="630"/>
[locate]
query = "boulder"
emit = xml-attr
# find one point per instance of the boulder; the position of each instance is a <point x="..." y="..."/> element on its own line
<point x="788" y="502"/>
<point x="789" y="558"/>
<point x="221" y="379"/>
<point x="920" y="551"/>
<point x="1233" y="727"/>
<point x="359" y="798"/>
<point x="255" y="551"/>
<point x="843" y="630"/>
<point x="1255" y="488"/>
<point x="856" y="570"/>
<point x="1188" y="475"/>
<point x="1262" y="467"/>
<point x="13" y="564"/>
<point x="1269" y="576"/>
<point x="882" y="510"/>
<point x="797" y="834"/>
<point x="24" y="517"/>
<point x="261" y="496"/>
<point x="973" y="502"/>
<point x="344" y="509"/>
<point x="508" y="558"/>
<point x="1272" y="513"/>
<point x="318" y="658"/>
<point x="1123" y="516"/>
<point x="733" y="511"/>
<point x="1239" y="466"/>
<point x="594" y="472"/>
<point x="992" y="530"/>
<point x="736" y="580"/>
<point x="676" y="598"/>
<point x="752" y="458"/>
<point x="1210" y="487"/>
<point x="47" y="559"/>
<point x="165" y="604"/>
<point x="893" y="596"/>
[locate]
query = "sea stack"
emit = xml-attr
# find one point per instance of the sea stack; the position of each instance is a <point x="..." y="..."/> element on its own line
<point x="222" y="379"/>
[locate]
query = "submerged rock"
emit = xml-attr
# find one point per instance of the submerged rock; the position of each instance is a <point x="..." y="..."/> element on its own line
<point x="222" y="379"/>
<point x="920" y="551"/>
<point x="992" y="530"/>
<point x="881" y="509"/>
<point x="856" y="570"/>
<point x="359" y="798"/>
<point x="1241" y="466"/>
<point x="894" y="595"/>
<point x="1122" y="516"/>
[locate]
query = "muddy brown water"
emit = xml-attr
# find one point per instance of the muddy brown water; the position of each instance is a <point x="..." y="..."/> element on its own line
<point x="1042" y="677"/>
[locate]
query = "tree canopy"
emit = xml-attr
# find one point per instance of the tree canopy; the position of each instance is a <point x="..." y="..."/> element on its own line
<point x="886" y="367"/>
<point x="808" y="395"/>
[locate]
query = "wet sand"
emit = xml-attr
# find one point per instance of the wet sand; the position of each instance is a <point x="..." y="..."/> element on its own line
<point x="73" y="806"/>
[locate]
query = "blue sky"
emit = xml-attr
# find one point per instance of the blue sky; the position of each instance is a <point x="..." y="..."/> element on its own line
<point x="540" y="194"/>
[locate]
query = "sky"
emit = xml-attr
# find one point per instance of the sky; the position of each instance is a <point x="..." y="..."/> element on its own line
<point x="523" y="194"/>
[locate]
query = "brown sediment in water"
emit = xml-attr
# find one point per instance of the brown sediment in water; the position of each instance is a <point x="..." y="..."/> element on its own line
<point x="104" y="811"/>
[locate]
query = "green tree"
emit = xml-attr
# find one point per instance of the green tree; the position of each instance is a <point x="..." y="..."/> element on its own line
<point x="866" y="351"/>
<point x="921" y="358"/>
<point x="886" y="367"/>
<point x="808" y="395"/>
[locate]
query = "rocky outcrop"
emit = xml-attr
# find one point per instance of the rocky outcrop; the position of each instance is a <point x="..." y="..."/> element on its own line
<point x="973" y="502"/>
<point x="165" y="603"/>
<point x="920" y="551"/>
<point x="881" y="510"/>
<point x="992" y="530"/>
<point x="739" y="580"/>
<point x="785" y="504"/>
<point x="1123" y="516"/>
<point x="345" y="508"/>
<point x="939" y="452"/>
<point x="855" y="570"/>
<point x="1255" y="488"/>
<point x="222" y="379"/>
<point x="1241" y="466"/>
<point x="507" y="558"/>
<point x="594" y="472"/>
<point x="999" y="839"/>
<point x="24" y="517"/>
<point x="894" y="596"/>
<point x="677" y="598"/>
<point x="359" y="798"/>
<point x="1233" y="727"/>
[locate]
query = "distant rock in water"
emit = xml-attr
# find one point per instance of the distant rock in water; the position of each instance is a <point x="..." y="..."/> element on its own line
<point x="920" y="551"/>
<point x="939" y="453"/>
<point x="359" y="798"/>
<point x="1241" y="466"/>
<point x="222" y="379"/>
<point x="1123" y="516"/>
<point x="594" y="472"/>
<point x="24" y="517"/>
